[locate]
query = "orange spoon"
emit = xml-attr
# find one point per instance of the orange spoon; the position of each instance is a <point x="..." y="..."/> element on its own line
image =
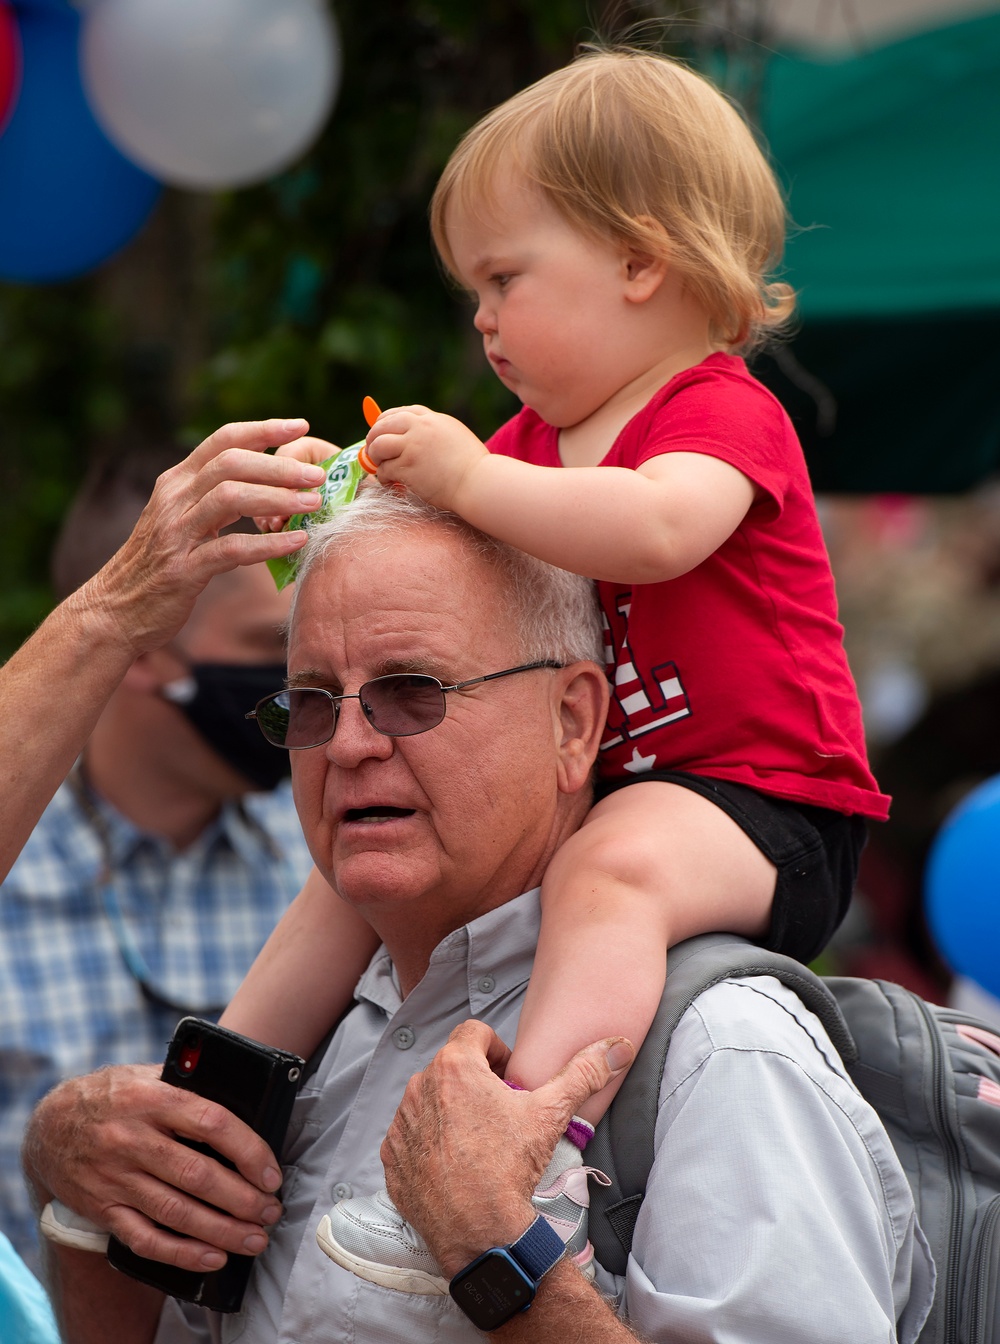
<point x="371" y="412"/>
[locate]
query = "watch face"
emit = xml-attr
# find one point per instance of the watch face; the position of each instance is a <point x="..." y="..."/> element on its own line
<point x="492" y="1289"/>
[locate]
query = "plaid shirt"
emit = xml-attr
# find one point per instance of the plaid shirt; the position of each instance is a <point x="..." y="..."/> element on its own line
<point x="68" y="1002"/>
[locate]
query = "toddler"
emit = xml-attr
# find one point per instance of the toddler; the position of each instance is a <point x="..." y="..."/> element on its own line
<point x="616" y="226"/>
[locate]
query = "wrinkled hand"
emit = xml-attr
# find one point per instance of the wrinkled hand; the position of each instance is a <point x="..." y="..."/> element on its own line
<point x="146" y="591"/>
<point x="465" y="1152"/>
<point x="306" y="449"/>
<point x="431" y="454"/>
<point x="106" y="1145"/>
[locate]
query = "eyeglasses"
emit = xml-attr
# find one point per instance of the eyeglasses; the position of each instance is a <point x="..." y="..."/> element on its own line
<point x="401" y="704"/>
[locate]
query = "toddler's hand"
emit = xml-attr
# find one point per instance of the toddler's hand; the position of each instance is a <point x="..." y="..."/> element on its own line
<point x="306" y="449"/>
<point x="428" y="452"/>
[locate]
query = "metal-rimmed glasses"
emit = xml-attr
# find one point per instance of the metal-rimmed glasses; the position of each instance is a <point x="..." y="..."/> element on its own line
<point x="401" y="704"/>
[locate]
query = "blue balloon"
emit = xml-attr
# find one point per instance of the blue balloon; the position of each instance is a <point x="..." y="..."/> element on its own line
<point x="41" y="4"/>
<point x="68" y="197"/>
<point x="962" y="886"/>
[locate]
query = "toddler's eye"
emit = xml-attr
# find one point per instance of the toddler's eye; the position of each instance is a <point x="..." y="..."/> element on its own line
<point x="502" y="280"/>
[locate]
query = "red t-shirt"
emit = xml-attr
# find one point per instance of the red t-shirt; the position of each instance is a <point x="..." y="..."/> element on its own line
<point x="736" y="669"/>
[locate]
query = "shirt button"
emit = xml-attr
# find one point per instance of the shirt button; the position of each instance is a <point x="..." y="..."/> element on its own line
<point x="342" y="1190"/>
<point x="403" y="1037"/>
<point x="486" y="984"/>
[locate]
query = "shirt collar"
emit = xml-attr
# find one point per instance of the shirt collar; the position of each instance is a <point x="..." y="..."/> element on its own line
<point x="247" y="835"/>
<point x="107" y="838"/>
<point x="113" y="839"/>
<point x="481" y="963"/>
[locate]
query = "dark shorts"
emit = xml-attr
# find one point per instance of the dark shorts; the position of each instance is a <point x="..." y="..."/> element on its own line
<point x="815" y="850"/>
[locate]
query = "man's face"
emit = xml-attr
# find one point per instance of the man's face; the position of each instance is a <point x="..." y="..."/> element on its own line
<point x="236" y="622"/>
<point x="237" y="619"/>
<point x="462" y="813"/>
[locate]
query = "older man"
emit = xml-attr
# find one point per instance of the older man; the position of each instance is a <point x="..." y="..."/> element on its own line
<point x="784" y="1217"/>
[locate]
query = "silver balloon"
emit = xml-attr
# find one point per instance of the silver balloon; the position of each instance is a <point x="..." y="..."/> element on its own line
<point x="208" y="94"/>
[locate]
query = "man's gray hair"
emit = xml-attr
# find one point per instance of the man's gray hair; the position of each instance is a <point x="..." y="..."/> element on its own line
<point x="555" y="612"/>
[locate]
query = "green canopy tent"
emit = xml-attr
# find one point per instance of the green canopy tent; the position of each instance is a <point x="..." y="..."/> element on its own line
<point x="892" y="163"/>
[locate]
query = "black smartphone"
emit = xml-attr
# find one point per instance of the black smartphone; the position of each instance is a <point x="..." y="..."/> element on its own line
<point x="258" y="1084"/>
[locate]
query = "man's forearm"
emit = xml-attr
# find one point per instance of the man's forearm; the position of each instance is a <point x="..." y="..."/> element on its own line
<point x="79" y="667"/>
<point x="95" y="1303"/>
<point x="568" y="1308"/>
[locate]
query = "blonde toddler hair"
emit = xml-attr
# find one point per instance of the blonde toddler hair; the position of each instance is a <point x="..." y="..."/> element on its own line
<point x="637" y="148"/>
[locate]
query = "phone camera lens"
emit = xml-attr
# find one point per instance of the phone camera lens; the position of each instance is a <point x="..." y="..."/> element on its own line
<point x="188" y="1056"/>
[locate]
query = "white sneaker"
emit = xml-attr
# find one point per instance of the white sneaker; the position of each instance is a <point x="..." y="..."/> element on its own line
<point x="369" y="1236"/>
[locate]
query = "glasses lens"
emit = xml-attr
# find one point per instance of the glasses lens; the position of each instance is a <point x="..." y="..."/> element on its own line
<point x="297" y="719"/>
<point x="401" y="705"/>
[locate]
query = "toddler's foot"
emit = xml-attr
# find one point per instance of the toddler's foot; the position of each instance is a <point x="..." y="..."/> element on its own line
<point x="368" y="1236"/>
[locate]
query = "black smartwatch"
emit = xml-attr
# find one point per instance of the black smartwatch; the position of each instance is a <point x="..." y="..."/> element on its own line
<point x="503" y="1281"/>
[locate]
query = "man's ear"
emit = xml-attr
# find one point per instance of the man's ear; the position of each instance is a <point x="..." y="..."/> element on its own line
<point x="581" y="707"/>
<point x="645" y="270"/>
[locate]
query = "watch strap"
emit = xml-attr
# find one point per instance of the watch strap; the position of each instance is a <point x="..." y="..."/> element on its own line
<point x="538" y="1249"/>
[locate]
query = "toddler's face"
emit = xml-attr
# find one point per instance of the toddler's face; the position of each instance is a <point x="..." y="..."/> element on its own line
<point x="550" y="302"/>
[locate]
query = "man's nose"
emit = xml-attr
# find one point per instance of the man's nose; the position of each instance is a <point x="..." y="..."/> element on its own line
<point x="355" y="740"/>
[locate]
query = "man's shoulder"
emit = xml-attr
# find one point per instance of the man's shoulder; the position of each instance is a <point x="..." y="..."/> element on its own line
<point x="754" y="1016"/>
<point x="770" y="1169"/>
<point x="754" y="1036"/>
<point x="755" y="1012"/>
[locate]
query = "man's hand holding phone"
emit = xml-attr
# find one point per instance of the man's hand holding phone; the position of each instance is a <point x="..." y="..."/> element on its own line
<point x="128" y="1171"/>
<point x="257" y="1084"/>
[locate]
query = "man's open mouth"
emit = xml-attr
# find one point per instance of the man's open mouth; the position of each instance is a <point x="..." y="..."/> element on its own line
<point x="376" y="813"/>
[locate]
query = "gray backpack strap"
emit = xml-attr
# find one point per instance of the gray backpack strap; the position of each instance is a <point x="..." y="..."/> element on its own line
<point x="623" y="1145"/>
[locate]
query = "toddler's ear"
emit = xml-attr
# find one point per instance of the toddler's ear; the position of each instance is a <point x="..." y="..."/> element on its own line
<point x="646" y="267"/>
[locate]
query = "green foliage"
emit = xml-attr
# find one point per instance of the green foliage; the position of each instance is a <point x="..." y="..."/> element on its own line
<point x="58" y="390"/>
<point x="296" y="297"/>
<point x="324" y="286"/>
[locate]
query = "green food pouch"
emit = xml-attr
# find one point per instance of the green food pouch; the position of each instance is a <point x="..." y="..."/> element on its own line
<point x="344" y="475"/>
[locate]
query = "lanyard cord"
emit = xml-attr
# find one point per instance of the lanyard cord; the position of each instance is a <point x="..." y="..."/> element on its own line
<point x="134" y="961"/>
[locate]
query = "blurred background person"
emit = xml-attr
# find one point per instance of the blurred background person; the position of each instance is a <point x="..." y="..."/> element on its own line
<point x="164" y="860"/>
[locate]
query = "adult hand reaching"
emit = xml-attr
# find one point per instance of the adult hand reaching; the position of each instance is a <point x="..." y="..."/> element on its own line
<point x="147" y="590"/>
<point x="57" y="684"/>
<point x="306" y="449"/>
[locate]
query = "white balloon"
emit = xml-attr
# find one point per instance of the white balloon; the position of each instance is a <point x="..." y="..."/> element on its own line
<point x="210" y="93"/>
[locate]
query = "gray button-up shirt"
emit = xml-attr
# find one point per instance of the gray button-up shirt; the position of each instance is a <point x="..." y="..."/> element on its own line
<point x="776" y="1209"/>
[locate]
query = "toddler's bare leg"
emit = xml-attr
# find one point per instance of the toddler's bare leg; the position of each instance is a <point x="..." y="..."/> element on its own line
<point x="653" y="864"/>
<point x="304" y="975"/>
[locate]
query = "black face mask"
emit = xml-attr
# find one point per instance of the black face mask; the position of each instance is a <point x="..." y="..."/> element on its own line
<point x="215" y="697"/>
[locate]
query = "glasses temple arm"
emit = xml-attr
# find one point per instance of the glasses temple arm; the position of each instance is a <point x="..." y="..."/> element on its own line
<point x="507" y="672"/>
